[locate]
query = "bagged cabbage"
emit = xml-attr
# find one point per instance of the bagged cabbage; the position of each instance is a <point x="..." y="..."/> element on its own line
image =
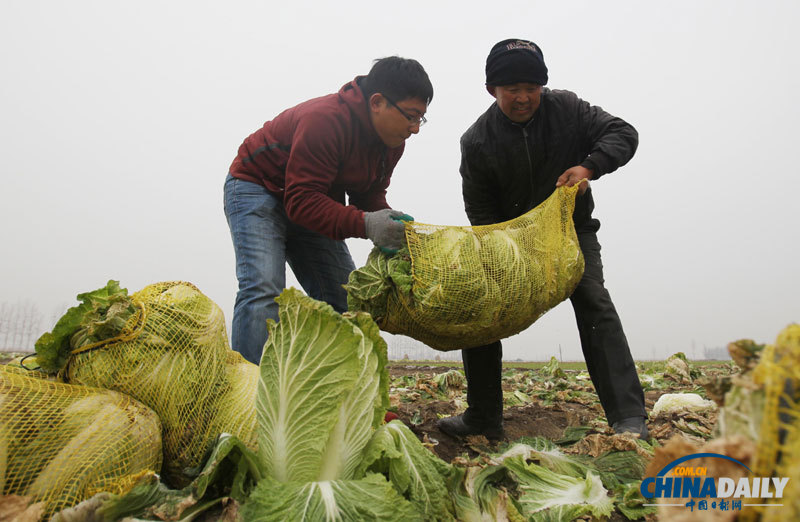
<point x="459" y="287"/>
<point x="60" y="443"/>
<point x="166" y="346"/>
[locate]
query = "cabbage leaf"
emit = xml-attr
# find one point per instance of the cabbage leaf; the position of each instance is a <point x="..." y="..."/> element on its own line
<point x="102" y="314"/>
<point x="547" y="495"/>
<point x="370" y="498"/>
<point x="415" y="472"/>
<point x="322" y="391"/>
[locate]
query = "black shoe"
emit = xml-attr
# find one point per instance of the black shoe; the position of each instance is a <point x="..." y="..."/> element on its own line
<point x="456" y="427"/>
<point x="636" y="425"/>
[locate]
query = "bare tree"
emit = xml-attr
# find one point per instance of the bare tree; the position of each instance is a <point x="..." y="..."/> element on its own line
<point x="20" y="326"/>
<point x="6" y="319"/>
<point x="57" y="313"/>
<point x="406" y="348"/>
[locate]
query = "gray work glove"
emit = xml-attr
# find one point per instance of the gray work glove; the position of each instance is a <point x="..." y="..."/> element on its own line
<point x="386" y="229"/>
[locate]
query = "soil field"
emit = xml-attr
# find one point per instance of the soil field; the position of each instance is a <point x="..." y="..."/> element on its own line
<point x="545" y="415"/>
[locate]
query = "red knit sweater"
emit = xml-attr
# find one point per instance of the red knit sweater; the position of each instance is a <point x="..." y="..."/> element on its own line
<point x="316" y="152"/>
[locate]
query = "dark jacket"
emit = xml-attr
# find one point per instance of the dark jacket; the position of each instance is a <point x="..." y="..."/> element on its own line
<point x="509" y="168"/>
<point x="316" y="152"/>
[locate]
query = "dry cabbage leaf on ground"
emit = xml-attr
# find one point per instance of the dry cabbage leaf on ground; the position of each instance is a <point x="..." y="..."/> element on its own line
<point x="458" y="287"/>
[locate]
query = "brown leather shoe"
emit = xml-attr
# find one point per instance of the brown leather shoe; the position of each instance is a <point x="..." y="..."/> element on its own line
<point x="456" y="427"/>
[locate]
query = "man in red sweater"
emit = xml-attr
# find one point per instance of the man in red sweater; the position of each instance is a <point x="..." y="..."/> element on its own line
<point x="285" y="191"/>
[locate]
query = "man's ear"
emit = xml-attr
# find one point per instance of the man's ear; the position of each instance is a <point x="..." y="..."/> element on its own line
<point x="490" y="89"/>
<point x="376" y="101"/>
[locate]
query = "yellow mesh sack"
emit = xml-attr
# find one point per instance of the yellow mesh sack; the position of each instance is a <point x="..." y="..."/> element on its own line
<point x="174" y="356"/>
<point x="61" y="444"/>
<point x="28" y="366"/>
<point x="470" y="286"/>
<point x="778" y="453"/>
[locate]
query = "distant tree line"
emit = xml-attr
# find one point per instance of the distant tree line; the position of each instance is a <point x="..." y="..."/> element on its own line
<point x="405" y="348"/>
<point x="716" y="354"/>
<point x="20" y="326"/>
<point x="22" y="323"/>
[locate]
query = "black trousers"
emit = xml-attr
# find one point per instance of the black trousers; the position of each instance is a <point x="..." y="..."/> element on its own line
<point x="605" y="349"/>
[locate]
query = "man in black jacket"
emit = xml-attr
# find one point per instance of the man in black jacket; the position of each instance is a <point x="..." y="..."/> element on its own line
<point x="513" y="157"/>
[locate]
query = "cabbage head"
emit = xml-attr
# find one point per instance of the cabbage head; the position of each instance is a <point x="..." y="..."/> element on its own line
<point x="450" y="286"/>
<point x="369" y="287"/>
<point x="414" y="471"/>
<point x="322" y="391"/>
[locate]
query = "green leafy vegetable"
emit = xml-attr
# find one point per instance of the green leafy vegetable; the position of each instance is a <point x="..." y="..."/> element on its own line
<point x="230" y="471"/>
<point x="553" y="369"/>
<point x="323" y="389"/>
<point x="682" y="402"/>
<point x="413" y="470"/>
<point x="103" y="314"/>
<point x="370" y="498"/>
<point x="547" y="495"/>
<point x="631" y="503"/>
<point x="546" y="454"/>
<point x="450" y="380"/>
<point x="481" y="495"/>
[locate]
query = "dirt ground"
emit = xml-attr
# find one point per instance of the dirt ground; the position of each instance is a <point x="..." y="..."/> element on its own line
<point x="530" y="420"/>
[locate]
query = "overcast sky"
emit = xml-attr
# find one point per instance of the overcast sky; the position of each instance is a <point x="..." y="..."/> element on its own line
<point x="119" y="120"/>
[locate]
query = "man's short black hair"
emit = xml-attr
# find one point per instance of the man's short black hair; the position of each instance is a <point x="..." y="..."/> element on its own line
<point x="399" y="79"/>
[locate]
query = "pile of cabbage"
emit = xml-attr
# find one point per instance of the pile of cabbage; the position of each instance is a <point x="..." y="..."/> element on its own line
<point x="166" y="346"/>
<point x="60" y="443"/>
<point x="325" y="451"/>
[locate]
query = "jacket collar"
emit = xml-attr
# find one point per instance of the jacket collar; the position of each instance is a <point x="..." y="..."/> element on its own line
<point x="501" y="119"/>
<point x="350" y="94"/>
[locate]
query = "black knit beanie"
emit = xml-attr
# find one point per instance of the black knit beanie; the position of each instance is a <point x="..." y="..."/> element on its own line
<point x="515" y="61"/>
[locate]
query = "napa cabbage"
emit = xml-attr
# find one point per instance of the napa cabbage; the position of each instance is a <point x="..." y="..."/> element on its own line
<point x="681" y="402"/>
<point x="370" y="498"/>
<point x="323" y="389"/>
<point x="547" y="495"/>
<point x="323" y="448"/>
<point x="455" y="287"/>
<point x="102" y="314"/>
<point x="413" y="470"/>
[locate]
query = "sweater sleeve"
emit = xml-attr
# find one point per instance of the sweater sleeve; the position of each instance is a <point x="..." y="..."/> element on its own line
<point x="311" y="170"/>
<point x="375" y="198"/>
<point x="612" y="141"/>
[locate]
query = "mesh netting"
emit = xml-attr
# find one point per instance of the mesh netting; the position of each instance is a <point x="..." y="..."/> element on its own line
<point x="778" y="453"/>
<point x="174" y="357"/>
<point x="30" y="368"/>
<point x="61" y="443"/>
<point x="475" y="285"/>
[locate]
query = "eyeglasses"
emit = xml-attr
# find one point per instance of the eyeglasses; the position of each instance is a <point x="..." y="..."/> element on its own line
<point x="414" y="120"/>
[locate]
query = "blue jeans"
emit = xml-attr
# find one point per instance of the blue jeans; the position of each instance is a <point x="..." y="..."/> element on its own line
<point x="264" y="240"/>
